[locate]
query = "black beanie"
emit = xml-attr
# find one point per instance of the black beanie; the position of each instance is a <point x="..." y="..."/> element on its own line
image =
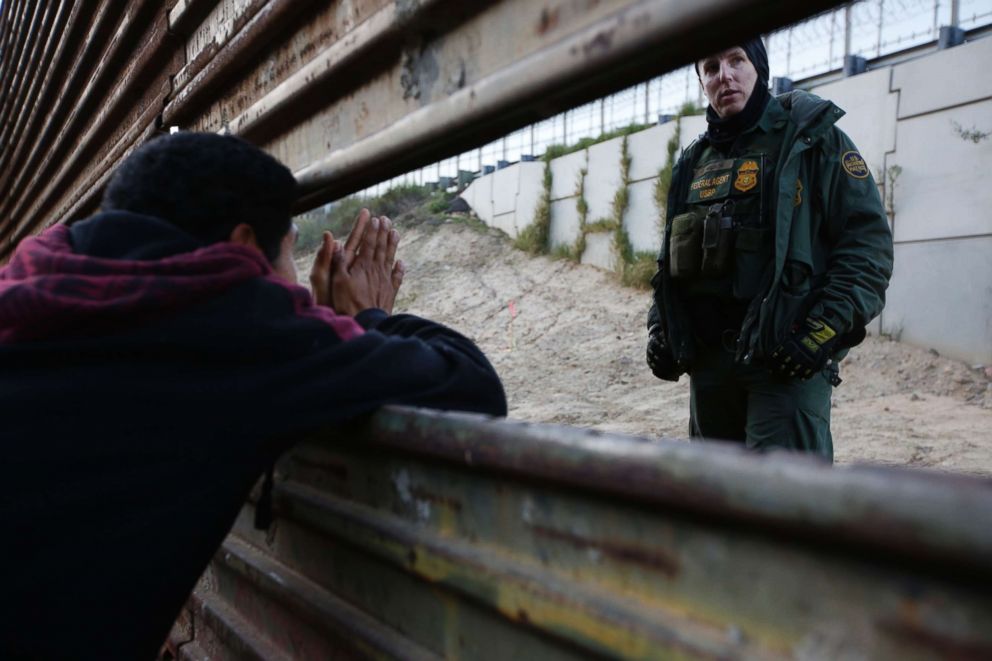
<point x="755" y="51"/>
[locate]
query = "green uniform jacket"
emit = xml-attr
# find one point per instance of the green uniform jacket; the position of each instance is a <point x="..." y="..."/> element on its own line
<point x="833" y="247"/>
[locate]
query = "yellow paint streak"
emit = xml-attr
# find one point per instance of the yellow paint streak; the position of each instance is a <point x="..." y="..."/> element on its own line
<point x="544" y="613"/>
<point x="520" y="603"/>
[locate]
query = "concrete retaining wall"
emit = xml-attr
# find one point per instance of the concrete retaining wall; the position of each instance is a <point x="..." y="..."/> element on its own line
<point x="912" y="119"/>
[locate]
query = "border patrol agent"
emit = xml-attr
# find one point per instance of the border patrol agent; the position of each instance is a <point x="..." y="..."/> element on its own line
<point x="777" y="253"/>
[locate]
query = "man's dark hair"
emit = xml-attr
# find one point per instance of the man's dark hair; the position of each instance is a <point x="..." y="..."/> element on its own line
<point x="206" y="184"/>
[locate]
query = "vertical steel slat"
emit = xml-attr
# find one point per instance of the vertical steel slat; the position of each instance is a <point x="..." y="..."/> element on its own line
<point x="53" y="76"/>
<point x="144" y="65"/>
<point x="17" y="85"/>
<point x="15" y="15"/>
<point x="61" y="112"/>
<point x="13" y="51"/>
<point x="14" y="83"/>
<point x="37" y="68"/>
<point x="54" y="170"/>
<point x="6" y="29"/>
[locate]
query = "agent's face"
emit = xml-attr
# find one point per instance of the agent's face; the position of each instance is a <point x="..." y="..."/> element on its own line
<point x="728" y="78"/>
<point x="284" y="264"/>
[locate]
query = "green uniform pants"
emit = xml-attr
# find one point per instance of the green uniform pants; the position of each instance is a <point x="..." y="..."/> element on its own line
<point x="749" y="404"/>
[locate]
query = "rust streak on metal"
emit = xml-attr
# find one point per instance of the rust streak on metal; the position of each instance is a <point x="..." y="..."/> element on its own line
<point x="249" y="38"/>
<point x="652" y="558"/>
<point x="549" y="20"/>
<point x="206" y="54"/>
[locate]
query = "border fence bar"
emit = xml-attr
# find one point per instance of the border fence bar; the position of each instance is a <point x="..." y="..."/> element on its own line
<point x="464" y="537"/>
<point x="348" y="97"/>
<point x="559" y="70"/>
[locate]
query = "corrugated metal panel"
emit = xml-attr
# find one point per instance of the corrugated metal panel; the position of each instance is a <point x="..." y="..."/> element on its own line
<point x="347" y="93"/>
<point x="470" y="538"/>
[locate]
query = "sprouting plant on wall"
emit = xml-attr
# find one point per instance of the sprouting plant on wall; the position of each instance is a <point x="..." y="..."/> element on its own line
<point x="635" y="268"/>
<point x="582" y="206"/>
<point x="891" y="176"/>
<point x="664" y="181"/>
<point x="973" y="134"/>
<point x="536" y="237"/>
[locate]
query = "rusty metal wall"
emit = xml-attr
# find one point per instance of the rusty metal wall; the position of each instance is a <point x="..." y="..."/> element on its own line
<point x="346" y="92"/>
<point x="427" y="535"/>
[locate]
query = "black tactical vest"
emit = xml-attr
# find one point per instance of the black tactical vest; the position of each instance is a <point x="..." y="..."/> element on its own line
<point x="722" y="240"/>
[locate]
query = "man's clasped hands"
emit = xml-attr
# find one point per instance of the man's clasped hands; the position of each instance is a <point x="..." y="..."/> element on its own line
<point x="361" y="272"/>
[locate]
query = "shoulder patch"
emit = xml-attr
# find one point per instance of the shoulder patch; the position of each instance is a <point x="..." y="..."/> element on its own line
<point x="854" y="165"/>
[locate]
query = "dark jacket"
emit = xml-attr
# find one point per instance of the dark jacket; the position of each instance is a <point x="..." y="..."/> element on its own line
<point x="832" y="245"/>
<point x="146" y="384"/>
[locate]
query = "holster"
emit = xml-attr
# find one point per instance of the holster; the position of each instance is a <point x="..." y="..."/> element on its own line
<point x="718" y="239"/>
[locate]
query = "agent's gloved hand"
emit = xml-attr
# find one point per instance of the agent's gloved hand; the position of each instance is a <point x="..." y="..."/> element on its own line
<point x="660" y="358"/>
<point x="807" y="351"/>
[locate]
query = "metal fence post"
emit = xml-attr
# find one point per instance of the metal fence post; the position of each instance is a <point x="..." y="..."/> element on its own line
<point x="647" y="101"/>
<point x="788" y="53"/>
<point x="847" y="31"/>
<point x="881" y="16"/>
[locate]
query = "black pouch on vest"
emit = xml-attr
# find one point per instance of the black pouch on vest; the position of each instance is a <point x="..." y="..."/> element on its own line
<point x="718" y="239"/>
<point x="685" y="247"/>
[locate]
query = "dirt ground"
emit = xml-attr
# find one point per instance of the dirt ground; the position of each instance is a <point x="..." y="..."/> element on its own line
<point x="568" y="341"/>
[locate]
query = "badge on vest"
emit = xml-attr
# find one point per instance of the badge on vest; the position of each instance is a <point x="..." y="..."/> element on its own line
<point x="854" y="165"/>
<point x="747" y="176"/>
